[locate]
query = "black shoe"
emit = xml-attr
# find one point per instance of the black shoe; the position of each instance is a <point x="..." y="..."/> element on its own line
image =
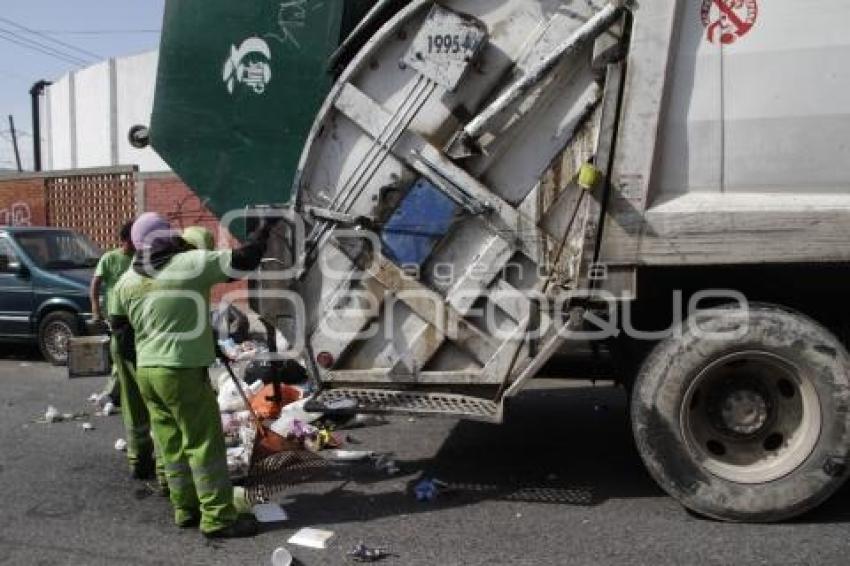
<point x="143" y="469"/>
<point x="192" y="522"/>
<point x="243" y="527"/>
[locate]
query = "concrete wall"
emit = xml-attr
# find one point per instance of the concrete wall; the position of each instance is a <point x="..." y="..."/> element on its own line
<point x="135" y="86"/>
<point x="58" y="126"/>
<point x="89" y="114"/>
<point x="92" y="98"/>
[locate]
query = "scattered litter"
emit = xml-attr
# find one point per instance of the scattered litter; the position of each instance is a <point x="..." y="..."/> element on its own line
<point x="67" y="416"/>
<point x="349" y="455"/>
<point x="255" y="387"/>
<point x="87" y="426"/>
<point x="362" y="553"/>
<point x="292" y="413"/>
<point x="238" y="461"/>
<point x="52" y="415"/>
<point x="25" y="364"/>
<point x="425" y="491"/>
<point x="411" y="420"/>
<point x="311" y="538"/>
<point x="361" y="420"/>
<point x="101" y="400"/>
<point x="519" y="515"/>
<point x="232" y="422"/>
<point x="264" y="405"/>
<point x="385" y="463"/>
<point x="281" y="557"/>
<point x="121" y="445"/>
<point x="342" y="405"/>
<point x="429" y="489"/>
<point x="108" y="409"/>
<point x="229" y="400"/>
<point x="269" y="513"/>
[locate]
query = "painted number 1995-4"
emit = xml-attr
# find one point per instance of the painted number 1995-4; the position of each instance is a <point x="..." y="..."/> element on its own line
<point x="450" y="43"/>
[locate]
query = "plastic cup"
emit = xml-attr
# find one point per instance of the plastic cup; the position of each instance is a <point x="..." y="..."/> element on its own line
<point x="281" y="557"/>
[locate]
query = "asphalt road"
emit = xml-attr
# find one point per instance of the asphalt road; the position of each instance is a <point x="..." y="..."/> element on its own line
<point x="559" y="483"/>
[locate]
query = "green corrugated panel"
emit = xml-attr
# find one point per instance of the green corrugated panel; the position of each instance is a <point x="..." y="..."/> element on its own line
<point x="238" y="87"/>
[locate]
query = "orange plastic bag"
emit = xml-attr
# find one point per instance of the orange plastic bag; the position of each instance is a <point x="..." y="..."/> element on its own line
<point x="265" y="408"/>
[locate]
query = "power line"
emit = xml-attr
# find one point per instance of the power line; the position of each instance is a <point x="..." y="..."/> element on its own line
<point x="54" y="40"/>
<point x="46" y="50"/>
<point x="98" y="31"/>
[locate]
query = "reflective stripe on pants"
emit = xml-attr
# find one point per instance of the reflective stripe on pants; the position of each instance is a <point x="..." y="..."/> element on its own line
<point x="187" y="428"/>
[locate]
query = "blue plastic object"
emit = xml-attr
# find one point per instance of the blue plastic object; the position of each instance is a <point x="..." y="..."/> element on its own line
<point x="422" y="219"/>
<point x="426" y="490"/>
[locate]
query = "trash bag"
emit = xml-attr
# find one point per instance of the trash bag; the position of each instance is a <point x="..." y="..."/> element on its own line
<point x="268" y="409"/>
<point x="229" y="400"/>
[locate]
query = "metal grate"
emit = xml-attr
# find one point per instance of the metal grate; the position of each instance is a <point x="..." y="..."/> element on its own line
<point x="95" y="203"/>
<point x="279" y="472"/>
<point x="382" y="401"/>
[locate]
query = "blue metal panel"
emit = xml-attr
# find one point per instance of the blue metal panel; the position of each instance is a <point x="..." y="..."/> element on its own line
<point x="422" y="219"/>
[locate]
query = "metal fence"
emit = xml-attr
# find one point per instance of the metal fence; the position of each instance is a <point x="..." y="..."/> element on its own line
<point x="95" y="202"/>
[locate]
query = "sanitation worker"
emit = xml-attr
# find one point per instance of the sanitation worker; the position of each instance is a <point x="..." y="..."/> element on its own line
<point x="109" y="270"/>
<point x="140" y="446"/>
<point x="199" y="238"/>
<point x="164" y="298"/>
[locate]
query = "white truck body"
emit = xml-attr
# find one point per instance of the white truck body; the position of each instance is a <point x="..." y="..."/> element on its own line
<point x="725" y="145"/>
<point x="487" y="175"/>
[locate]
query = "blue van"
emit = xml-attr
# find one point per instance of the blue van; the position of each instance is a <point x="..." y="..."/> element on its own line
<point x="44" y="287"/>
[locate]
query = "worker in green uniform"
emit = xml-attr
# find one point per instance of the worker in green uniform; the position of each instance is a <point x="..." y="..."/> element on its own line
<point x="199" y="238"/>
<point x="164" y="298"/>
<point x="140" y="446"/>
<point x="110" y="268"/>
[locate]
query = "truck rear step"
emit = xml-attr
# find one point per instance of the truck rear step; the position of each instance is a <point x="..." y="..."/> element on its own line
<point x="408" y="402"/>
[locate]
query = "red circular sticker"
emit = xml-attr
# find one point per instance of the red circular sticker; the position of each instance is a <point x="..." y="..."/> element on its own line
<point x="727" y="20"/>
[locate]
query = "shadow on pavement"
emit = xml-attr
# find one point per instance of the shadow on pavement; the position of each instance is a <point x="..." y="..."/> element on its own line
<point x="23" y="352"/>
<point x="564" y="447"/>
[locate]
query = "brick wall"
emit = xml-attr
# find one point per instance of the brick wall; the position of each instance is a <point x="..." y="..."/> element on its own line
<point x="169" y="196"/>
<point x="23" y="202"/>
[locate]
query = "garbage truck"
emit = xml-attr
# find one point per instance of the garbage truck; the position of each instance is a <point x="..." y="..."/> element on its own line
<point x="479" y="193"/>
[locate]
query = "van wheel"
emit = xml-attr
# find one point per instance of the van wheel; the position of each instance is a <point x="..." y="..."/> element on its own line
<point x="54" y="334"/>
<point x="748" y="424"/>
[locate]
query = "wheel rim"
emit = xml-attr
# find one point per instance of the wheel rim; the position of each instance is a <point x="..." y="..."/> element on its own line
<point x="56" y="338"/>
<point x="751" y="417"/>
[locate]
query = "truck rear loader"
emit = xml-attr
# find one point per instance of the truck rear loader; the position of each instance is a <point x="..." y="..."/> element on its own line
<point x="493" y="191"/>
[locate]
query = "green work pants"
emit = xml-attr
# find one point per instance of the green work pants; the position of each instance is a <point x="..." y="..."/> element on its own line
<point x="113" y="383"/>
<point x="187" y="429"/>
<point x="141" y="448"/>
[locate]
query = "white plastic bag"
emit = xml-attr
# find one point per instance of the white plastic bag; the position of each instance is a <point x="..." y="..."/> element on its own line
<point x="229" y="400"/>
<point x="292" y="413"/>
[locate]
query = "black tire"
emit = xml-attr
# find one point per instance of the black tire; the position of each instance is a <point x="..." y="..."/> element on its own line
<point x="54" y="330"/>
<point x="714" y="419"/>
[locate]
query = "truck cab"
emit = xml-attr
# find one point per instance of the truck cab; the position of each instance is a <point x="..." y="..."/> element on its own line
<point x="44" y="282"/>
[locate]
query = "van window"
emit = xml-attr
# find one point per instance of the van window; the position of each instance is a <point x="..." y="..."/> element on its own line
<point x="59" y="250"/>
<point x="7" y="255"/>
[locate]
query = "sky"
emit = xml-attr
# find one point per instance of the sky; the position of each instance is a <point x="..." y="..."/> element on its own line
<point x="89" y="31"/>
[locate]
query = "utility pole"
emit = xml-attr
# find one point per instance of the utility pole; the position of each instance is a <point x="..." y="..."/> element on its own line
<point x="35" y="92"/>
<point x="15" y="142"/>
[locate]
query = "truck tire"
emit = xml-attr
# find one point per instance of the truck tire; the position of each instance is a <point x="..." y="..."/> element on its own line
<point x="54" y="332"/>
<point x="746" y="428"/>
